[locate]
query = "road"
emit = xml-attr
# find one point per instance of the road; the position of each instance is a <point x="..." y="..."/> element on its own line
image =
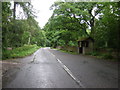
<point x="49" y="68"/>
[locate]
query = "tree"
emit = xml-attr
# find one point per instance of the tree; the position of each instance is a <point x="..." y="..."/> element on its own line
<point x="6" y="22"/>
<point x="17" y="32"/>
<point x="27" y="9"/>
<point x="107" y="31"/>
<point x="73" y="20"/>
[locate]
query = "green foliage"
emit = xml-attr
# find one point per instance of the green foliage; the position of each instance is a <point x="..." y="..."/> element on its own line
<point x="17" y="32"/>
<point x="66" y="51"/>
<point x="101" y="55"/>
<point x="106" y="29"/>
<point x="72" y="43"/>
<point x="93" y="53"/>
<point x="106" y="56"/>
<point x="70" y="21"/>
<point x="19" y="52"/>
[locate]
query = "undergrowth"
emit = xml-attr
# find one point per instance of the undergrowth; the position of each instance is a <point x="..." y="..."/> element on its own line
<point x="19" y="52"/>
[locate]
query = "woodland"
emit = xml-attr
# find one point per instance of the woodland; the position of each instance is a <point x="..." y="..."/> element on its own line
<point x="69" y="22"/>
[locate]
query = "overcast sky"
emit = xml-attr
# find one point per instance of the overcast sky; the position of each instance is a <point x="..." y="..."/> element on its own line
<point x="44" y="12"/>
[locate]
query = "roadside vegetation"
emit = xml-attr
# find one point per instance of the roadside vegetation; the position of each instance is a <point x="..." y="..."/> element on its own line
<point x="21" y="35"/>
<point x="70" y="52"/>
<point x="70" y="22"/>
<point x="20" y="51"/>
<point x="106" y="56"/>
<point x="66" y="51"/>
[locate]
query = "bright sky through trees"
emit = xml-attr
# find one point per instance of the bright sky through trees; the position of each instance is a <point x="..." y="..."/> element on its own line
<point x="43" y="10"/>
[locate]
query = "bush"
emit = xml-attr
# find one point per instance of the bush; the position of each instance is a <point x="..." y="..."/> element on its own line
<point x="5" y="54"/>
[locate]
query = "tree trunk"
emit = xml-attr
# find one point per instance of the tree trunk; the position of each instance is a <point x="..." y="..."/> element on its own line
<point x="14" y="10"/>
<point x="29" y="39"/>
<point x="92" y="26"/>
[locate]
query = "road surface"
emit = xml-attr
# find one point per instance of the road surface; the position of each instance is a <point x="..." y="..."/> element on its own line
<point x="49" y="68"/>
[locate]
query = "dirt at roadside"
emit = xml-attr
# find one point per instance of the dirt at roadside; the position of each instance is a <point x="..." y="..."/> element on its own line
<point x="7" y="65"/>
<point x="9" y="69"/>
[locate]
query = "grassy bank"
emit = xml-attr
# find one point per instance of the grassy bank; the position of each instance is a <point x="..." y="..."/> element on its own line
<point x="105" y="56"/>
<point x="19" y="52"/>
<point x="65" y="51"/>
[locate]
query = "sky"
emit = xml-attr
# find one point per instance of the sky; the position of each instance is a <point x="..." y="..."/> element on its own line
<point x="43" y="12"/>
<point x="42" y="8"/>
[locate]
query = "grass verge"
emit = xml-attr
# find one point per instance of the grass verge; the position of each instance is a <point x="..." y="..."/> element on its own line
<point x="106" y="56"/>
<point x="65" y="51"/>
<point x="19" y="52"/>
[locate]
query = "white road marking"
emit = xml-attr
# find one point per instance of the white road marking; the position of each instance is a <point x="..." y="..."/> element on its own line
<point x="53" y="55"/>
<point x="69" y="72"/>
<point x="35" y="55"/>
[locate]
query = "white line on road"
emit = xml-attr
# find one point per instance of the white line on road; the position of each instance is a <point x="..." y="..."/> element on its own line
<point x="53" y="55"/>
<point x="34" y="55"/>
<point x="69" y="72"/>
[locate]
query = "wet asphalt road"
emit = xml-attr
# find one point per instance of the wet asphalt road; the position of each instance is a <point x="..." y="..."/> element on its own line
<point x="44" y="71"/>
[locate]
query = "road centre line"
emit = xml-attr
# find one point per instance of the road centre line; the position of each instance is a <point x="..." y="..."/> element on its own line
<point x="53" y="55"/>
<point x="69" y="72"/>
